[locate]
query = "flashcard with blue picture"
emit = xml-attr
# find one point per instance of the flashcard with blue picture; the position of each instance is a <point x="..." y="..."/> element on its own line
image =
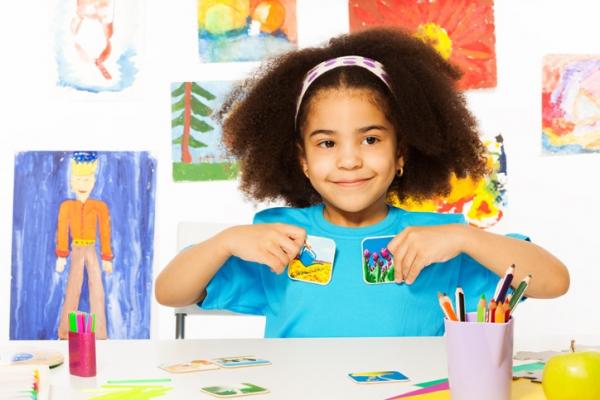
<point x="378" y="377"/>
<point x="377" y="260"/>
<point x="314" y="263"/>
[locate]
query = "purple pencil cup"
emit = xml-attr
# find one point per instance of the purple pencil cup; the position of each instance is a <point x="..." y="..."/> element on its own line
<point x="479" y="359"/>
<point x="82" y="354"/>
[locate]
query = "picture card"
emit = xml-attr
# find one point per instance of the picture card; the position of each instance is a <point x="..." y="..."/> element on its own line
<point x="242" y="389"/>
<point x="314" y="263"/>
<point x="378" y="377"/>
<point x="191" y="366"/>
<point x="378" y="261"/>
<point x="240" y="361"/>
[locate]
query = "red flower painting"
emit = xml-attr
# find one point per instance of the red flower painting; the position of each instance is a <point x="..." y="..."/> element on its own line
<point x="462" y="31"/>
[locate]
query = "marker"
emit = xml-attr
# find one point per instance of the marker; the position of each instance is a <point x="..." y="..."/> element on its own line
<point x="446" y="305"/>
<point x="481" y="309"/>
<point x="519" y="292"/>
<point x="506" y="281"/>
<point x="459" y="298"/>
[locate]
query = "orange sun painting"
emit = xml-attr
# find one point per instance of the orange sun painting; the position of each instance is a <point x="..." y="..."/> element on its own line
<point x="462" y="31"/>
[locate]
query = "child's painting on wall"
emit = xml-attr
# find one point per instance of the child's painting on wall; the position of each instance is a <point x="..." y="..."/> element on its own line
<point x="462" y="32"/>
<point x="97" y="44"/>
<point x="482" y="201"/>
<point x="83" y="229"/>
<point x="571" y="104"/>
<point x="245" y="30"/>
<point x="198" y="153"/>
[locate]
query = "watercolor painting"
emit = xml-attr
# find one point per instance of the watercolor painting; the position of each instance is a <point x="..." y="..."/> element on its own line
<point x="462" y="32"/>
<point x="97" y="44"/>
<point x="198" y="153"/>
<point x="571" y="104"/>
<point x="245" y="30"/>
<point x="482" y="201"/>
<point x="314" y="263"/>
<point x="378" y="260"/>
<point x="83" y="229"/>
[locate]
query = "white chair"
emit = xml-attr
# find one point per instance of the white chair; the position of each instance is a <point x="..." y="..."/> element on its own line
<point x="214" y="323"/>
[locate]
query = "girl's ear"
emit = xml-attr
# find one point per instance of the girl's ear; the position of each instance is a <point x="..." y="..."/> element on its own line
<point x="302" y="159"/>
<point x="400" y="164"/>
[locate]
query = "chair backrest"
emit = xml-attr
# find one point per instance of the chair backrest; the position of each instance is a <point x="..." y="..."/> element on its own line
<point x="214" y="323"/>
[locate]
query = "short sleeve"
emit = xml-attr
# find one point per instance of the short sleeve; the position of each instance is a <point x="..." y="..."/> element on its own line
<point x="475" y="279"/>
<point x="236" y="287"/>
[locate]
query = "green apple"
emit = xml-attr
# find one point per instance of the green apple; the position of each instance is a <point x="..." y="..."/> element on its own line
<point x="573" y="376"/>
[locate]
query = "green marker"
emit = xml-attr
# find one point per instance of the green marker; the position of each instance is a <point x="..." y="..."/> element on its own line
<point x="94" y="323"/>
<point x="72" y="321"/>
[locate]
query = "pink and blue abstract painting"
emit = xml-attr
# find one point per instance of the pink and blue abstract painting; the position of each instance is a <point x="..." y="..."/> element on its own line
<point x="571" y="104"/>
<point x="97" y="44"/>
<point x="82" y="239"/>
<point x="245" y="30"/>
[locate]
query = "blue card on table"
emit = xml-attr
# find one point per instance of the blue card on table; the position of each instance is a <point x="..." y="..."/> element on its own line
<point x="378" y="377"/>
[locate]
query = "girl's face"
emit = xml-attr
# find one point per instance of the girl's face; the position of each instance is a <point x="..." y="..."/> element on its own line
<point x="350" y="155"/>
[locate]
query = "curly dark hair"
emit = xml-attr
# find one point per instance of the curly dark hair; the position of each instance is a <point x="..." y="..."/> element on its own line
<point x="437" y="135"/>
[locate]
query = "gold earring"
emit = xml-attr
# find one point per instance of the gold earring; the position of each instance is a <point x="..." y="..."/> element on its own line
<point x="399" y="172"/>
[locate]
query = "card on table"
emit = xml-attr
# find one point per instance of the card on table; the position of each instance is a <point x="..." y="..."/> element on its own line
<point x="314" y="263"/>
<point x="240" y="361"/>
<point x="242" y="389"/>
<point x="377" y="260"/>
<point x="191" y="366"/>
<point x="378" y="377"/>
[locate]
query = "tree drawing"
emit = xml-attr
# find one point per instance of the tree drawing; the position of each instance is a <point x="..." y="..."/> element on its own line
<point x="189" y="106"/>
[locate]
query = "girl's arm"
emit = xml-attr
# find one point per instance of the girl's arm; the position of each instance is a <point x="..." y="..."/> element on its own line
<point x="184" y="279"/>
<point x="497" y="253"/>
<point x="419" y="246"/>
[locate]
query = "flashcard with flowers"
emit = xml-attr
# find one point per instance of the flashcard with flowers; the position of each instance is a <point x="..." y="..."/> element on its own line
<point x="377" y="260"/>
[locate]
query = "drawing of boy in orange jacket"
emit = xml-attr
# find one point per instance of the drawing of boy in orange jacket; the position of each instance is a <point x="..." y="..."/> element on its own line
<point x="78" y="220"/>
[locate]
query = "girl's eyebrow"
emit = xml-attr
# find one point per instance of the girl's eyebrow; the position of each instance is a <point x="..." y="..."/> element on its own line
<point x="360" y="130"/>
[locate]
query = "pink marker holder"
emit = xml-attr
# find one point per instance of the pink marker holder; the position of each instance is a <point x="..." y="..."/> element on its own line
<point x="82" y="353"/>
<point x="479" y="359"/>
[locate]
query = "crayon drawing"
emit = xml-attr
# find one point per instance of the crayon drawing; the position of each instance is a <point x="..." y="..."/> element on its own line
<point x="481" y="202"/>
<point x="462" y="32"/>
<point x="83" y="228"/>
<point x="198" y="153"/>
<point x="97" y="44"/>
<point x="571" y="104"/>
<point x="245" y="30"/>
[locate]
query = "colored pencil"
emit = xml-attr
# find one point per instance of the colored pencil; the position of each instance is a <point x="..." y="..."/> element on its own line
<point x="519" y="293"/>
<point x="459" y="298"/>
<point x="506" y="281"/>
<point x="481" y="309"/>
<point x="446" y="305"/>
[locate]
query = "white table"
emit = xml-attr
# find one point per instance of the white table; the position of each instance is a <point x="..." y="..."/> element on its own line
<point x="301" y="368"/>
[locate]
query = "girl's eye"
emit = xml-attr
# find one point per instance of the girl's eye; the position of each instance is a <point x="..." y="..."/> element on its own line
<point x="326" y="144"/>
<point x="370" y="140"/>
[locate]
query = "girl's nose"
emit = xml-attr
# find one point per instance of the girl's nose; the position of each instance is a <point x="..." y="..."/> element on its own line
<point x="349" y="157"/>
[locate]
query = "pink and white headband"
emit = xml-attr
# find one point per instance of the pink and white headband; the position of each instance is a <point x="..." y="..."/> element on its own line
<point x="375" y="67"/>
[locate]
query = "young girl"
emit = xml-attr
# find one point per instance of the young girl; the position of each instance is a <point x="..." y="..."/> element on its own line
<point x="333" y="131"/>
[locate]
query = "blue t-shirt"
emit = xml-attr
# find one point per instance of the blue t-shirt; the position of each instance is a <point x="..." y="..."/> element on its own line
<point x="348" y="306"/>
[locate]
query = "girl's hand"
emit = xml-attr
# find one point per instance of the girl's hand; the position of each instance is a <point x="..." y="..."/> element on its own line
<point x="272" y="244"/>
<point x="417" y="247"/>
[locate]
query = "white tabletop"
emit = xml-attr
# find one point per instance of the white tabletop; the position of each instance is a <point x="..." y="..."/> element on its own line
<point x="300" y="369"/>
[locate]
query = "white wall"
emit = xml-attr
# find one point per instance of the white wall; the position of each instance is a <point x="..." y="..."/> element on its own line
<point x="553" y="199"/>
